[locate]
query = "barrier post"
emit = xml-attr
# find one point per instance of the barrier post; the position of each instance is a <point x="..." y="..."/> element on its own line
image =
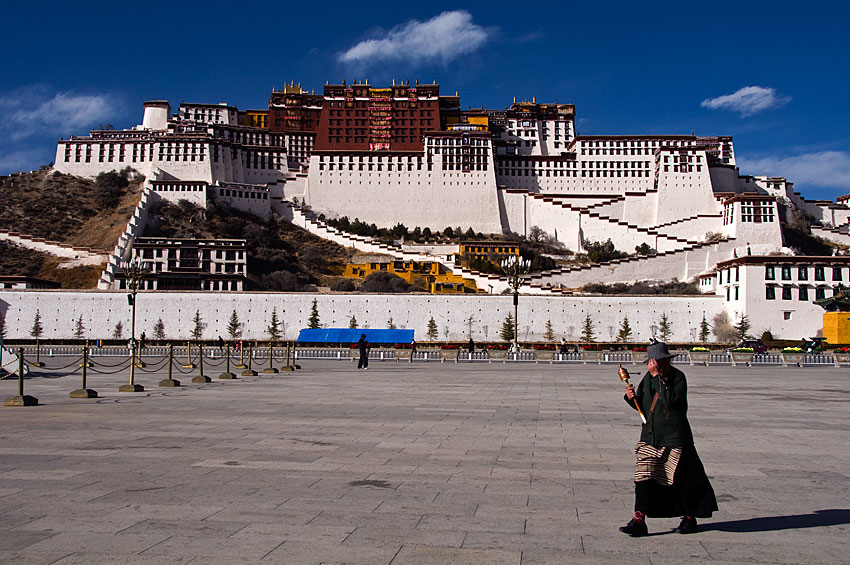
<point x="139" y="363"/>
<point x="227" y="375"/>
<point x="249" y="372"/>
<point x="189" y="364"/>
<point x="201" y="378"/>
<point x="84" y="392"/>
<point x="21" y="399"/>
<point x="241" y="364"/>
<point x="38" y="362"/>
<point x="132" y="387"/>
<point x="271" y="368"/>
<point x="289" y="365"/>
<point x="169" y="382"/>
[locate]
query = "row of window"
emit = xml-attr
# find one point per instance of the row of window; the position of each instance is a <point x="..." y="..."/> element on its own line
<point x="802" y="273"/>
<point x="802" y="292"/>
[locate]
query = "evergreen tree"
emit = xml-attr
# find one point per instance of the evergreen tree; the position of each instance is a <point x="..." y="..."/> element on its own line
<point x="432" y="332"/>
<point x="625" y="333"/>
<point x="234" y="326"/>
<point x="704" y="330"/>
<point x="587" y="330"/>
<point x="37" y="330"/>
<point x="742" y="328"/>
<point x="352" y="323"/>
<point x="390" y="324"/>
<point x="313" y="321"/>
<point x="79" y="328"/>
<point x="549" y="334"/>
<point x="274" y="325"/>
<point x="159" y="330"/>
<point x="118" y="332"/>
<point x="665" y="328"/>
<point x="507" y="331"/>
<point x="199" y="326"/>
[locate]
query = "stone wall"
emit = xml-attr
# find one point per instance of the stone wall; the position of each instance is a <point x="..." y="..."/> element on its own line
<point x="101" y="311"/>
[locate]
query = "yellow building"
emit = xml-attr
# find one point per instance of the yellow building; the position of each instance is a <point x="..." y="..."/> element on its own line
<point x="438" y="279"/>
<point x="254" y="118"/>
<point x="493" y="250"/>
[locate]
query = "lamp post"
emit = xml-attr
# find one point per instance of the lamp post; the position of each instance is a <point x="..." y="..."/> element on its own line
<point x="134" y="271"/>
<point x="515" y="269"/>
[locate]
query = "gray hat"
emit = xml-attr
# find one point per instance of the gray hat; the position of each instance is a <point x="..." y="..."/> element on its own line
<point x="657" y="350"/>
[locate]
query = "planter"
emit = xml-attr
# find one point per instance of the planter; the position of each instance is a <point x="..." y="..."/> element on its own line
<point x="699" y="357"/>
<point x="741" y="358"/>
<point x="591" y="356"/>
<point x="544" y="355"/>
<point x="840" y="358"/>
<point x="795" y="358"/>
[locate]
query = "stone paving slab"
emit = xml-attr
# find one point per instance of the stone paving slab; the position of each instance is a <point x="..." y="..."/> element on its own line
<point x="423" y="463"/>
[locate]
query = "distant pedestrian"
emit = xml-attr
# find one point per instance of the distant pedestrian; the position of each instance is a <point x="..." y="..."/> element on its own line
<point x="563" y="349"/>
<point x="142" y="341"/>
<point x="412" y="346"/>
<point x="220" y="343"/>
<point x="363" y="345"/>
<point x="471" y="347"/>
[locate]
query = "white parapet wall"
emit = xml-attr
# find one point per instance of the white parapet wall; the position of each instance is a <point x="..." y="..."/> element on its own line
<point x="101" y="311"/>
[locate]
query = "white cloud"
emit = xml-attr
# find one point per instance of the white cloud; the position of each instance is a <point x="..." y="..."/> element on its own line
<point x="830" y="169"/>
<point x="32" y="111"/>
<point x="443" y="38"/>
<point x="747" y="101"/>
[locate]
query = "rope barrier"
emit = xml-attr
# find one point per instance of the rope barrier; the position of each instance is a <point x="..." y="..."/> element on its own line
<point x="180" y="369"/>
<point x="93" y="370"/>
<point x="71" y="364"/>
<point x="153" y="369"/>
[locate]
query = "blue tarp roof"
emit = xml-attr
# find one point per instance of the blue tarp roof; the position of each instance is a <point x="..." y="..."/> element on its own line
<point x="346" y="335"/>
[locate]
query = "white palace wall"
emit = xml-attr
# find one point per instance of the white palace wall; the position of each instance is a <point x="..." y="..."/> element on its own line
<point x="435" y="198"/>
<point x="101" y="311"/>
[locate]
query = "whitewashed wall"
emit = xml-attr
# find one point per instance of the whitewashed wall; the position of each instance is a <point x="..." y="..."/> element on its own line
<point x="436" y="199"/>
<point x="101" y="311"/>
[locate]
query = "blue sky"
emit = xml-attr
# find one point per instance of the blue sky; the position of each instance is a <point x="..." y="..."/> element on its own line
<point x="772" y="74"/>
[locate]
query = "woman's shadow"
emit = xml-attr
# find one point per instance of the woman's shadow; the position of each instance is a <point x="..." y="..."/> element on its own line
<point x="817" y="519"/>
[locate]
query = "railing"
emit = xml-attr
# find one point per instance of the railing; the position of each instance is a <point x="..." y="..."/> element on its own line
<point x="212" y="351"/>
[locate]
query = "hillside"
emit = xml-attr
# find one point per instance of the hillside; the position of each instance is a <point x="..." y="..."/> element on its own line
<point x="281" y="256"/>
<point x="15" y="260"/>
<point x="69" y="209"/>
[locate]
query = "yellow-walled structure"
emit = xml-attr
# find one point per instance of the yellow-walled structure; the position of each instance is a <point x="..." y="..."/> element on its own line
<point x="836" y="327"/>
<point x="439" y="280"/>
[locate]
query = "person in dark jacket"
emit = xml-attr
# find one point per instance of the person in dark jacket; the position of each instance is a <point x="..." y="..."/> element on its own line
<point x="363" y="345"/>
<point x="471" y="347"/>
<point x="669" y="477"/>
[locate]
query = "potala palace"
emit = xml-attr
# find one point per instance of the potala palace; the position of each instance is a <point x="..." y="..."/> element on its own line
<point x="404" y="153"/>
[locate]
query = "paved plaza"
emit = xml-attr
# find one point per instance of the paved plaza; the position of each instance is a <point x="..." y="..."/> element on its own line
<point x="422" y="463"/>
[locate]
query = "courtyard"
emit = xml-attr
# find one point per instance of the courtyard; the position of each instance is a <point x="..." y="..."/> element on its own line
<point x="414" y="464"/>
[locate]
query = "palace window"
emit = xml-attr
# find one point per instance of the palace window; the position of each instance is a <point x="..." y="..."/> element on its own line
<point x="836" y="273"/>
<point x="803" y="273"/>
<point x="819" y="274"/>
<point x="770" y="292"/>
<point x="786" y="273"/>
<point x="804" y="292"/>
<point x="786" y="293"/>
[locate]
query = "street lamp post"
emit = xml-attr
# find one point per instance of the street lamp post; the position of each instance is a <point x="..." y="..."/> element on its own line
<point x="515" y="269"/>
<point x="134" y="271"/>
